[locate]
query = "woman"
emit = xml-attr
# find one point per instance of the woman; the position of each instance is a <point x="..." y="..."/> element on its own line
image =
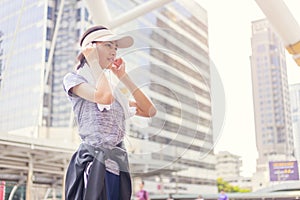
<point x="99" y="169"/>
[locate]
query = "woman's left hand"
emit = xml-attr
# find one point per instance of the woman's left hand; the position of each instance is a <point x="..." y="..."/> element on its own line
<point x="118" y="67"/>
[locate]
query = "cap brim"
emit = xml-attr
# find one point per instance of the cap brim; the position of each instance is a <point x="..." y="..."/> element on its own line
<point x="123" y="41"/>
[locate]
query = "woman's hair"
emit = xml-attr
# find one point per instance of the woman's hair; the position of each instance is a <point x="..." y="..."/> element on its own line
<point x="81" y="61"/>
<point x="80" y="56"/>
<point x="89" y="31"/>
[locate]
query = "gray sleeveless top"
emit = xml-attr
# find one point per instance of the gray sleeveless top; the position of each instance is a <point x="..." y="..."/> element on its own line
<point x="98" y="128"/>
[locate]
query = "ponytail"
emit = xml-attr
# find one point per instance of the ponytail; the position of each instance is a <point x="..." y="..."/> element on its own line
<point x="81" y="60"/>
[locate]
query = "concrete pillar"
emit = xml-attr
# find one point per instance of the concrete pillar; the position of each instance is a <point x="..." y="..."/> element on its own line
<point x="53" y="192"/>
<point x="64" y="179"/>
<point x="98" y="11"/>
<point x="101" y="15"/>
<point x="286" y="25"/>
<point x="29" y="178"/>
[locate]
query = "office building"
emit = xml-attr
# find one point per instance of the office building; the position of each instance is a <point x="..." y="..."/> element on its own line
<point x="36" y="53"/>
<point x="228" y="166"/>
<point x="273" y="125"/>
<point x="178" y="140"/>
<point x="295" y="111"/>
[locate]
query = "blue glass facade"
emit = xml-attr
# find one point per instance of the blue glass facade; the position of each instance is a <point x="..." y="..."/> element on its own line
<point x="22" y="26"/>
<point x="74" y="20"/>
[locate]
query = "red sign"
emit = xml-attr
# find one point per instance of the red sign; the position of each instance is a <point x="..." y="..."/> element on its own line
<point x="2" y="190"/>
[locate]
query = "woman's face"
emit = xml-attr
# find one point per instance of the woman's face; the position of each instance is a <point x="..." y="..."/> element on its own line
<point x="107" y="53"/>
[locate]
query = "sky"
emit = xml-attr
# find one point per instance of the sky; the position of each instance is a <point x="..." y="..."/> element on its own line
<point x="229" y="30"/>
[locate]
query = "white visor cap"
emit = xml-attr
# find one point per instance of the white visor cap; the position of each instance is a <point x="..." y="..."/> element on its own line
<point x="123" y="41"/>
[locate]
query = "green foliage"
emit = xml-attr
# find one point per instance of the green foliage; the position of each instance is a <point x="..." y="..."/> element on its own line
<point x="223" y="185"/>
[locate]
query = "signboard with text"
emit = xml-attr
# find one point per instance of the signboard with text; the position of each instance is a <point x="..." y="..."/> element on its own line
<point x="283" y="170"/>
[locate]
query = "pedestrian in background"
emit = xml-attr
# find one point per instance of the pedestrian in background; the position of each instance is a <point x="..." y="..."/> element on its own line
<point x="170" y="197"/>
<point x="200" y="197"/>
<point x="223" y="195"/>
<point x="142" y="194"/>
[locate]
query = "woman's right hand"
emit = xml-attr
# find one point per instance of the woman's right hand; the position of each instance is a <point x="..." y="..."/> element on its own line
<point x="118" y="67"/>
<point x="90" y="53"/>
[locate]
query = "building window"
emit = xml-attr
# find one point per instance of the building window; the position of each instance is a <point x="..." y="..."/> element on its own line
<point x="273" y="47"/>
<point x="47" y="54"/>
<point x="261" y="48"/>
<point x="50" y="13"/>
<point x="78" y="14"/>
<point x="275" y="61"/>
<point x="86" y="15"/>
<point x="49" y="34"/>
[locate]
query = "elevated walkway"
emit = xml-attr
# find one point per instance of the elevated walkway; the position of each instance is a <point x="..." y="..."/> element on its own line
<point x="283" y="195"/>
<point x="35" y="163"/>
<point x="45" y="159"/>
<point x="38" y="164"/>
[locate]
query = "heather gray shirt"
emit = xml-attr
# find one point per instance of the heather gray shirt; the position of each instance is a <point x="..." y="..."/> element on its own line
<point x="98" y="128"/>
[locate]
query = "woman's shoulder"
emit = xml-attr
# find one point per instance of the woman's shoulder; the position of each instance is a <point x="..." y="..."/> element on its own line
<point x="72" y="79"/>
<point x="73" y="76"/>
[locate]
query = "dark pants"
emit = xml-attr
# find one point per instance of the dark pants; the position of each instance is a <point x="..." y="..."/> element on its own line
<point x="112" y="183"/>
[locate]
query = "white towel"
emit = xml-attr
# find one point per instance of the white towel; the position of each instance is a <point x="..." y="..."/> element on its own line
<point x="91" y="74"/>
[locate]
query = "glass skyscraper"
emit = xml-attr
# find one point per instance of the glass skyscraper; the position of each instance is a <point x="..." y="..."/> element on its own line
<point x="172" y="151"/>
<point x="23" y="38"/>
<point x="31" y="92"/>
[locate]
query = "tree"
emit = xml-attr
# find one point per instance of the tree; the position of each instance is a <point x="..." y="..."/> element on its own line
<point x="229" y="188"/>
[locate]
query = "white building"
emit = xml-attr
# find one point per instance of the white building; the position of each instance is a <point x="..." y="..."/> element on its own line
<point x="228" y="166"/>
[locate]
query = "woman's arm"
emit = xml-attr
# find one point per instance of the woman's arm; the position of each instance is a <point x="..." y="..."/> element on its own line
<point x="100" y="93"/>
<point x="144" y="105"/>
